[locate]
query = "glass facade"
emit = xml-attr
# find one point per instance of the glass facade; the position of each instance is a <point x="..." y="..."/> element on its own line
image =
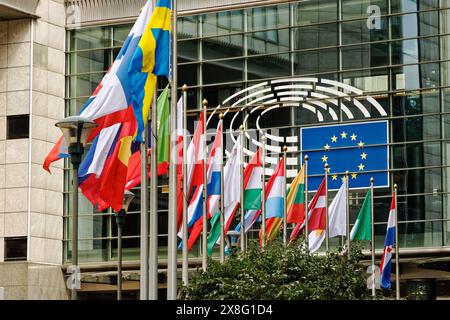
<point x="401" y="59"/>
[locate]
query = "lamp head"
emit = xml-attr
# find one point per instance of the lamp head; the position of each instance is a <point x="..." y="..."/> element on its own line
<point x="128" y="196"/>
<point x="75" y="129"/>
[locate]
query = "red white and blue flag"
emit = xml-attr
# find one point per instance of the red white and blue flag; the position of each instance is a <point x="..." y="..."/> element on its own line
<point x="195" y="157"/>
<point x="389" y="244"/>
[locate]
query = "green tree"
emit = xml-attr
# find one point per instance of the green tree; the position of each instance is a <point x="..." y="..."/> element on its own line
<point x="281" y="273"/>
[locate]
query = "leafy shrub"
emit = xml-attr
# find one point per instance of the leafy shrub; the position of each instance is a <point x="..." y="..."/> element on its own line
<point x="281" y="273"/>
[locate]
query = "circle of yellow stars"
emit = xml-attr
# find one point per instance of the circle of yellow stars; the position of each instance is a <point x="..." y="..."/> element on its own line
<point x="363" y="155"/>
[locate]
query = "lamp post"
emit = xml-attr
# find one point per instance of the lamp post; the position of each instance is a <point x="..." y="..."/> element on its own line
<point x="120" y="220"/>
<point x="75" y="130"/>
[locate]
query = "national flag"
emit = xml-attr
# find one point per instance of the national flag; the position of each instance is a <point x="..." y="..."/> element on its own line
<point x="179" y="161"/>
<point x="360" y="148"/>
<point x="195" y="157"/>
<point x="296" y="199"/>
<point x="213" y="191"/>
<point x="274" y="201"/>
<point x="252" y="172"/>
<point x="362" y="229"/>
<point x="337" y="213"/>
<point x="150" y="59"/>
<point x="316" y="220"/>
<point x="110" y="102"/>
<point x="389" y="243"/>
<point x="163" y="131"/>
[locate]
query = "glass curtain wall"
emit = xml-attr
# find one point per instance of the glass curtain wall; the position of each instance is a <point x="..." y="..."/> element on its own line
<point x="397" y="51"/>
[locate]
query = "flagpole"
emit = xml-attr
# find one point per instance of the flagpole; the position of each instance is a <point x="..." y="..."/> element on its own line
<point x="222" y="197"/>
<point x="144" y="266"/>
<point x="205" y="194"/>
<point x="172" y="219"/>
<point x="263" y="191"/>
<point x="185" y="265"/>
<point x="153" y="228"/>
<point x="241" y="136"/>
<point x="397" y="257"/>
<point x="306" y="201"/>
<point x="347" y="212"/>
<point x="327" y="229"/>
<point x="372" y="242"/>
<point x="284" y="199"/>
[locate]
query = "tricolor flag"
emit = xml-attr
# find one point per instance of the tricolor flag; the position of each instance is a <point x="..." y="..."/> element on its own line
<point x="275" y="201"/>
<point x="389" y="243"/>
<point x="316" y="220"/>
<point x="362" y="229"/>
<point x="195" y="156"/>
<point x="150" y="59"/>
<point x="179" y="161"/>
<point x="162" y="107"/>
<point x="296" y="199"/>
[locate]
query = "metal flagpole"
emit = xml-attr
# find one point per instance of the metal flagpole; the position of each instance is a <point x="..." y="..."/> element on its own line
<point x="144" y="268"/>
<point x="205" y="194"/>
<point x="222" y="197"/>
<point x="263" y="191"/>
<point x="172" y="219"/>
<point x="152" y="233"/>
<point x="241" y="136"/>
<point x="397" y="257"/>
<point x="153" y="228"/>
<point x="372" y="241"/>
<point x="306" y="201"/>
<point x="185" y="265"/>
<point x="284" y="199"/>
<point x="347" y="211"/>
<point x="327" y="227"/>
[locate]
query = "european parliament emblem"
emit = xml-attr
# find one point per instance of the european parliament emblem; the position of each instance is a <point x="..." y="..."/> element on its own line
<point x="359" y="148"/>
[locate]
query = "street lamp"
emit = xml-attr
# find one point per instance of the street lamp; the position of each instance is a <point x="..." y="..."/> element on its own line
<point x="120" y="220"/>
<point x="75" y="130"/>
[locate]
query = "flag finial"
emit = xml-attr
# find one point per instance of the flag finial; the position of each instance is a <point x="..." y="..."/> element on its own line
<point x="184" y="87"/>
<point x="221" y="116"/>
<point x="205" y="103"/>
<point x="395" y="185"/>
<point x="326" y="165"/>
<point x="284" y="148"/>
<point x="241" y="127"/>
<point x="263" y="138"/>
<point x="371" y="179"/>
<point x="306" y="158"/>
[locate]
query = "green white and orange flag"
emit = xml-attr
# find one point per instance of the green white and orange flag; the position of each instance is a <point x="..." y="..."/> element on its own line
<point x="296" y="199"/>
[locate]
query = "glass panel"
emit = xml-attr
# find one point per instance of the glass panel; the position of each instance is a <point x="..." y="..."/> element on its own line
<point x="415" y="24"/>
<point x="365" y="56"/>
<point x="445" y="19"/>
<point x="84" y="85"/>
<point x="269" y="66"/>
<point x="131" y="227"/>
<point x="216" y="94"/>
<point x="130" y="248"/>
<point x="368" y="80"/>
<point x="74" y="106"/>
<point x="398" y="6"/>
<point x="415" y="50"/>
<point x="90" y="61"/>
<point x="268" y="41"/>
<point x="421" y="234"/>
<point x="224" y="22"/>
<point x="357" y="31"/>
<point x="415" y="182"/>
<point x="416" y="128"/>
<point x="316" y="61"/>
<point x="422" y="154"/>
<point x="188" y="74"/>
<point x="223" y="47"/>
<point x="268" y="17"/>
<point x="90" y="226"/>
<point x="90" y="38"/>
<point x="120" y="33"/>
<point x="416" y="76"/>
<point x="324" y="35"/>
<point x="416" y="103"/>
<point x="223" y="71"/>
<point x="187" y="27"/>
<point x="188" y="51"/>
<point x="93" y="250"/>
<point x="309" y="12"/>
<point x="363" y="8"/>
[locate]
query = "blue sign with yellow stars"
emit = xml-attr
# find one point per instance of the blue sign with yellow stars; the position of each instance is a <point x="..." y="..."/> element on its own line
<point x="359" y="148"/>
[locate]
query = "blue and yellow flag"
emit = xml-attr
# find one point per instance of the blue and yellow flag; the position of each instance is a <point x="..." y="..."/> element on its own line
<point x="151" y="59"/>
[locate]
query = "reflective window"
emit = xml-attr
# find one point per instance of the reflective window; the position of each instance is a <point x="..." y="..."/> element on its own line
<point x="223" y="47"/>
<point x="363" y="8"/>
<point x="317" y="36"/>
<point x="223" y="22"/>
<point x="415" y="24"/>
<point x="314" y="11"/>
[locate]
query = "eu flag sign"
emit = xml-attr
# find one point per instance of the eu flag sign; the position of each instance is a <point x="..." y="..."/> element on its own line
<point x="360" y="148"/>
